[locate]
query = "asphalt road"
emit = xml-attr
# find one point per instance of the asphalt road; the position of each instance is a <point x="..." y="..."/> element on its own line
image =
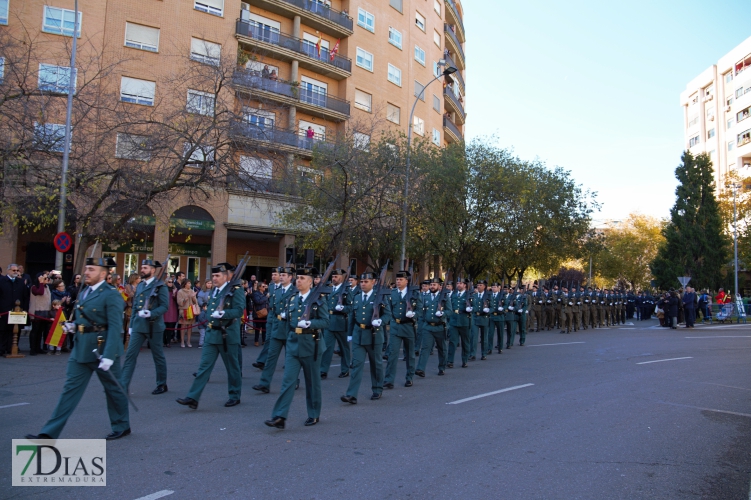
<point x="594" y="419"/>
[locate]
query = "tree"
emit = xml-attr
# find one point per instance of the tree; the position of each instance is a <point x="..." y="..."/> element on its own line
<point x="741" y="185"/>
<point x="695" y="244"/>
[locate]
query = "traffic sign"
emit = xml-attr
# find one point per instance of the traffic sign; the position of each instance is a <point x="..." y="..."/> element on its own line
<point x="63" y="242"/>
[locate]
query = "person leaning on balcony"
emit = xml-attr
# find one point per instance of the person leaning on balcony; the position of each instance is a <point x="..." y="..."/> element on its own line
<point x="265" y="73"/>
<point x="273" y="76"/>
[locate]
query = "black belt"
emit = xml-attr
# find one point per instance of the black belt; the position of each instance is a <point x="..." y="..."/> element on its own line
<point x="407" y="321"/>
<point x="432" y="323"/>
<point x="91" y="329"/>
<point x="307" y="331"/>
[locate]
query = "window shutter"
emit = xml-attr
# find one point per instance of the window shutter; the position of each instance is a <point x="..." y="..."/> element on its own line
<point x="142" y="34"/>
<point x="140" y="88"/>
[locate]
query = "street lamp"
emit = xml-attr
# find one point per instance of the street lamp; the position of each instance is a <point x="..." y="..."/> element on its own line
<point x="446" y="72"/>
<point x="735" y="237"/>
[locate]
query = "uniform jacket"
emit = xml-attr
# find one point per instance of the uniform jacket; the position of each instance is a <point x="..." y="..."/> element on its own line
<point x="495" y="303"/>
<point x="304" y="343"/>
<point x="103" y="308"/>
<point x="510" y="306"/>
<point x="338" y="320"/>
<point x="400" y="324"/>
<point x="430" y="306"/>
<point x="535" y="298"/>
<point x="158" y="305"/>
<point x="459" y="315"/>
<point x="233" y="312"/>
<point x="281" y="299"/>
<point x="360" y="326"/>
<point x="478" y="304"/>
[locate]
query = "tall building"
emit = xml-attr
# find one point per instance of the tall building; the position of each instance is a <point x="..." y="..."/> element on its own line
<point x="307" y="70"/>
<point x="716" y="105"/>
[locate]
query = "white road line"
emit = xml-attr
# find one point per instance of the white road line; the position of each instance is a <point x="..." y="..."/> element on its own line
<point x="158" y="494"/>
<point x="661" y="360"/>
<point x="560" y="343"/>
<point x="719" y="385"/>
<point x="490" y="394"/>
<point x="11" y="406"/>
<point x="707" y="409"/>
<point x="722" y="337"/>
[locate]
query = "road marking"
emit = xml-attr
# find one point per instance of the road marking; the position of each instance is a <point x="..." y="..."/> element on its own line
<point x="661" y="360"/>
<point x="158" y="494"/>
<point x="628" y="328"/>
<point x="490" y="394"/>
<point x="722" y="337"/>
<point x="560" y="343"/>
<point x="708" y="409"/>
<point x="720" y="385"/>
<point x="11" y="406"/>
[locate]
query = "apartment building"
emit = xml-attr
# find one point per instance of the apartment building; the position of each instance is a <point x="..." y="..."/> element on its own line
<point x="307" y="70"/>
<point x="716" y="107"/>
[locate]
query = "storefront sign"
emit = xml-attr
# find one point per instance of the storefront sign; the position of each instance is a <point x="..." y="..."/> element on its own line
<point x="190" y="224"/>
<point x="187" y="249"/>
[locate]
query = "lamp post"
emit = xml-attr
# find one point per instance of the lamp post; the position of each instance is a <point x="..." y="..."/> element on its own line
<point x="445" y="72"/>
<point x="735" y="237"/>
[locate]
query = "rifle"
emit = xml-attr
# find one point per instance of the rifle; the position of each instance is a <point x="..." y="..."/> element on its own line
<point x="228" y="292"/>
<point x="486" y="303"/>
<point x="470" y="292"/>
<point x="81" y="285"/>
<point x="412" y="286"/>
<point x="442" y="301"/>
<point x="312" y="299"/>
<point x="344" y="283"/>
<point x="380" y="292"/>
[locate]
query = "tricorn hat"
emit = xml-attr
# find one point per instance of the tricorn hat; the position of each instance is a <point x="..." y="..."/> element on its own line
<point x="368" y="276"/>
<point x="435" y="280"/>
<point x="307" y="271"/>
<point x="152" y="263"/>
<point x="287" y="270"/>
<point x="482" y="282"/>
<point x="222" y="267"/>
<point x="101" y="262"/>
<point x="403" y="274"/>
<point x="338" y="272"/>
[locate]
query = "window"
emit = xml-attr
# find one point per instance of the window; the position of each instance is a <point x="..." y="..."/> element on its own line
<point x="141" y="37"/>
<point x="730" y="122"/>
<point x="310" y="174"/>
<point x="214" y="7"/>
<point x="200" y="102"/>
<point x="361" y="141"/>
<point x="200" y="154"/>
<point x="694" y="99"/>
<point x="364" y="59"/>
<point x="395" y="37"/>
<point x="710" y="114"/>
<point x="731" y="145"/>
<point x="55" y="79"/>
<point x="363" y="100"/>
<point x="419" y="90"/>
<point x="133" y="147"/>
<point x="205" y="52"/>
<point x="137" y="91"/>
<point x="397" y="4"/>
<point x="259" y="118"/>
<point x="436" y="103"/>
<point x="729" y="101"/>
<point x="693" y="141"/>
<point x="395" y="75"/>
<point x="729" y="77"/>
<point x="257" y="168"/>
<point x="419" y="55"/>
<point x="393" y="113"/>
<point x="3" y="11"/>
<point x="436" y="137"/>
<point x="437" y="7"/>
<point x="709" y="90"/>
<point x="60" y="21"/>
<point x="743" y="114"/>
<point x="420" y="21"/>
<point x="437" y="38"/>
<point x="365" y="20"/>
<point x="693" y="121"/>
<point x="49" y="137"/>
<point x="418" y="125"/>
<point x="710" y="133"/>
<point x="132" y="264"/>
<point x="744" y="138"/>
<point x="437" y="71"/>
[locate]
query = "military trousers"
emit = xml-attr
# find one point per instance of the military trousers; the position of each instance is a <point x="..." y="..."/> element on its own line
<point x="549" y="318"/>
<point x="332" y="339"/>
<point x="270" y="328"/>
<point x="480" y="331"/>
<point x="576" y="319"/>
<point x="409" y="357"/>
<point x="209" y="354"/>
<point x="495" y="335"/>
<point x="523" y="321"/>
<point x="511" y="326"/>
<point x="557" y="318"/>
<point x="77" y="378"/>
<point x="311" y="369"/>
<point x="359" y="353"/>
<point x="275" y="349"/>
<point x="157" y="353"/>
<point x="538" y="316"/>
<point x="458" y="335"/>
<point x="432" y="336"/>
<point x="566" y="319"/>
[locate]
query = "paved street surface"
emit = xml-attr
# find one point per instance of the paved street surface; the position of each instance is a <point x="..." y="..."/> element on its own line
<point x="629" y="412"/>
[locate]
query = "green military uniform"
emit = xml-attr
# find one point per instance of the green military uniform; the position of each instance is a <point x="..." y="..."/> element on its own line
<point x="512" y="319"/>
<point x="149" y="329"/>
<point x="558" y="301"/>
<point x="214" y="345"/>
<point x="586" y="309"/>
<point x="460" y="322"/>
<point x="537" y="302"/>
<point x="434" y="315"/>
<point x="576" y="309"/>
<point x="336" y="333"/>
<point x="402" y="331"/>
<point x="548" y="299"/>
<point x="99" y="313"/>
<point x="497" y="321"/>
<point x="523" y="310"/>
<point x="303" y="351"/>
<point x="279" y="335"/>
<point x="567" y="315"/>
<point x="270" y="325"/>
<point x="480" y="322"/>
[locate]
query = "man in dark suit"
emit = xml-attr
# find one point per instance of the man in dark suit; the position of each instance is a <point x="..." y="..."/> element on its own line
<point x="689" y="306"/>
<point x="12" y="289"/>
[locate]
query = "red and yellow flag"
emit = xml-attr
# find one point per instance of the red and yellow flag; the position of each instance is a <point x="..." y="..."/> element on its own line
<point x="318" y="45"/>
<point x="56" y="337"/>
<point x="335" y="50"/>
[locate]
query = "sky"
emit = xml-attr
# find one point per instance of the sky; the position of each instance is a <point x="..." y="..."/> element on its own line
<point x="594" y="87"/>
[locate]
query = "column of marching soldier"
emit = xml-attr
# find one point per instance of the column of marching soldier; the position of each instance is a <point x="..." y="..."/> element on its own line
<point x="310" y="325"/>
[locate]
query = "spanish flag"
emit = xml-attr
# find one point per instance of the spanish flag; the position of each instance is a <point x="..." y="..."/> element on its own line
<point x="56" y="337"/>
<point x="335" y="50"/>
<point x="318" y="45"/>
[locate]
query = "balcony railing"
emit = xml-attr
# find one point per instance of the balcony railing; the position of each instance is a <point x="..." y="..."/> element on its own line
<point x="452" y="128"/>
<point x="324" y="11"/>
<point x="294" y="44"/>
<point x="277" y="136"/>
<point x="458" y="45"/>
<point x="455" y="11"/>
<point x="254" y="80"/>
<point x="456" y="76"/>
<point x="242" y="181"/>
<point x="459" y="107"/>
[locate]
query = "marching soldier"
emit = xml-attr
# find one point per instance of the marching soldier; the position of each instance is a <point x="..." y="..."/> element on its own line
<point x="403" y="309"/>
<point x="548" y="310"/>
<point x="99" y="314"/>
<point x="424" y="292"/>
<point x="480" y="311"/>
<point x="591" y="299"/>
<point x="367" y="338"/>
<point x="434" y="328"/>
<point x="512" y="319"/>
<point x="538" y="304"/>
<point x="339" y="307"/>
<point x="148" y="324"/>
<point x="460" y="324"/>
<point x="279" y="334"/>
<point x="522" y="307"/>
<point x="270" y="318"/>
<point x="225" y="309"/>
<point x="497" y="323"/>
<point x="558" y="306"/>
<point x="576" y="308"/>
<point x="302" y="350"/>
<point x="566" y="311"/>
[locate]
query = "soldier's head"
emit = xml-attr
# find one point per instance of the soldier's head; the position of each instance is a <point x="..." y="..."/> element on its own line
<point x="402" y="279"/>
<point x="305" y="279"/>
<point x="97" y="270"/>
<point x="495" y="287"/>
<point x="354" y="281"/>
<point x="481" y="286"/>
<point x="450" y="286"/>
<point x="461" y="284"/>
<point x="317" y="279"/>
<point x="367" y="282"/>
<point x="435" y="285"/>
<point x="275" y="274"/>
<point x="555" y="288"/>
<point x="286" y="275"/>
<point x="221" y="274"/>
<point x="148" y="268"/>
<point x="425" y="286"/>
<point x="337" y="276"/>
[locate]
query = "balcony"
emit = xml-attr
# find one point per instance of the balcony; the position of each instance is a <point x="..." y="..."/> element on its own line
<point x="313" y="14"/>
<point x="246" y="183"/>
<point x="453" y="104"/>
<point x="321" y="105"/>
<point x="277" y="139"/>
<point x="451" y="131"/>
<point x="455" y="76"/>
<point x="287" y="48"/>
<point x="452" y="42"/>
<point x="452" y="14"/>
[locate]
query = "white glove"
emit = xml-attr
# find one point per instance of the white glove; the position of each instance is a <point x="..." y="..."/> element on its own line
<point x="500" y="309"/>
<point x="339" y="307"/>
<point x="217" y="314"/>
<point x="527" y="311"/>
<point x="376" y="322"/>
<point x="349" y="338"/>
<point x="510" y="308"/>
<point x="486" y="310"/>
<point x="410" y="314"/>
<point x="130" y="331"/>
<point x="303" y="324"/>
<point x="69" y="327"/>
<point x="105" y="364"/>
<point x="439" y="314"/>
<point x="469" y="309"/>
<point x="144" y="313"/>
<point x="284" y="315"/>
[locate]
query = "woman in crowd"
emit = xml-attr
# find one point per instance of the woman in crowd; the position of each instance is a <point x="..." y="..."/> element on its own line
<point x="186" y="298"/>
<point x="170" y="317"/>
<point x="40" y="303"/>
<point x="203" y="301"/>
<point x="60" y="292"/>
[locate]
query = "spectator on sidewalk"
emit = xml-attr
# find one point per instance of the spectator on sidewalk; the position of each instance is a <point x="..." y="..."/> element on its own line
<point x="170" y="317"/>
<point x="672" y="310"/>
<point x="186" y="298"/>
<point x="24" y="277"/>
<point x="202" y="298"/>
<point x="40" y="303"/>
<point x="705" y="306"/>
<point x="55" y="306"/>
<point x="689" y="306"/>
<point x="722" y="297"/>
<point x="260" y="300"/>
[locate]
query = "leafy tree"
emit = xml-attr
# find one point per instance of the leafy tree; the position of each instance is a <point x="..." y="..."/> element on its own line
<point x="695" y="243"/>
